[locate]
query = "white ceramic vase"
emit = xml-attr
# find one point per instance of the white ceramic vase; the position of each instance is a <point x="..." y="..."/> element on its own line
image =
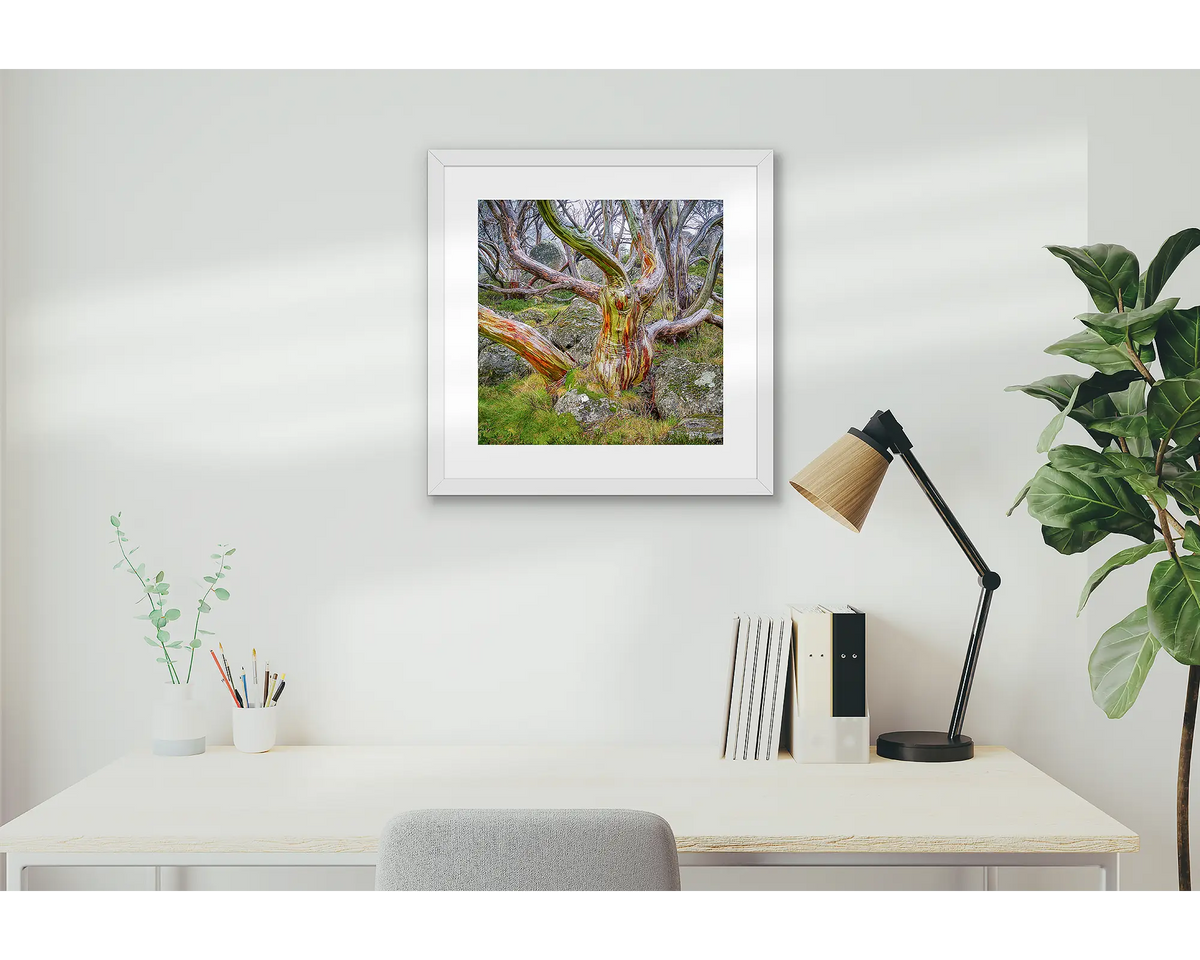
<point x="178" y="726"/>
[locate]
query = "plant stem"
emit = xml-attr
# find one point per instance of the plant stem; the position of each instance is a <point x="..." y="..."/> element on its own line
<point x="1137" y="362"/>
<point x="154" y="608"/>
<point x="196" y="628"/>
<point x="1163" y="521"/>
<point x="1183" y="840"/>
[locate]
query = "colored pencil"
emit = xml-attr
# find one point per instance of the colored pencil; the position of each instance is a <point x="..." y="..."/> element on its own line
<point x="228" y="672"/>
<point x="245" y="689"/>
<point x="282" y="684"/>
<point x="224" y="680"/>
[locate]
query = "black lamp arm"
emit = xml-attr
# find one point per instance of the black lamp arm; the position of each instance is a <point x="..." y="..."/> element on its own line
<point x="886" y="429"/>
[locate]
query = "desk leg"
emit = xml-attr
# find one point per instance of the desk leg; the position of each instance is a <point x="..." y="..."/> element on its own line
<point x="1110" y="872"/>
<point x="15" y="873"/>
<point x="991" y="878"/>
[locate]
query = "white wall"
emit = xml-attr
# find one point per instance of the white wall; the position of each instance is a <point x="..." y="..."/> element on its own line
<point x="215" y="297"/>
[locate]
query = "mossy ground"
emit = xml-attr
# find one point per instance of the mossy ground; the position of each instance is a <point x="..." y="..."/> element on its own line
<point x="521" y="411"/>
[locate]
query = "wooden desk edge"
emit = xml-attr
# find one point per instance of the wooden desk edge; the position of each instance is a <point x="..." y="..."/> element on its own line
<point x="1129" y="843"/>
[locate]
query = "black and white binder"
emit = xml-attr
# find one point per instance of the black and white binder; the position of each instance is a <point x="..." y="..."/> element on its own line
<point x="849" y="648"/>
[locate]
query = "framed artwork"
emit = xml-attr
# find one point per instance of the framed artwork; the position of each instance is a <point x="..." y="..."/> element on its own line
<point x="600" y="322"/>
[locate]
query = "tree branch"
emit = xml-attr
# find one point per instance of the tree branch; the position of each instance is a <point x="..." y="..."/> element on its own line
<point x="508" y="230"/>
<point x="677" y="328"/>
<point x="575" y="238"/>
<point x="710" y="278"/>
<point x="547" y="359"/>
<point x="524" y="293"/>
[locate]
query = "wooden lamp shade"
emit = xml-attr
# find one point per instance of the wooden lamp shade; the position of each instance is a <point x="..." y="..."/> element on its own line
<point x="843" y="480"/>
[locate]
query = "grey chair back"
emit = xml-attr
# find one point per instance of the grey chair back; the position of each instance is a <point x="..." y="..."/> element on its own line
<point x="527" y="850"/>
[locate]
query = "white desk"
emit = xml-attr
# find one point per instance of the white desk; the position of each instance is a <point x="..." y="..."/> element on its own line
<point x="325" y="806"/>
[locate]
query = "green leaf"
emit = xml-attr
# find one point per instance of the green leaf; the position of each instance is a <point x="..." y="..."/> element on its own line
<point x="1099" y="463"/>
<point x="195" y="643"/>
<point x="1061" y="499"/>
<point x="210" y="579"/>
<point x="227" y="567"/>
<point x="1054" y="427"/>
<point x="1147" y="485"/>
<point x="1191" y="536"/>
<point x="151" y="641"/>
<point x="204" y="607"/>
<point x="1178" y="340"/>
<point x="1120" y="559"/>
<point x="163" y="636"/>
<point x="1185" y="488"/>
<point x="1137" y="326"/>
<point x="1108" y="270"/>
<point x="174" y="644"/>
<point x="143" y="616"/>
<point x="161" y="588"/>
<point x="1173" y="600"/>
<point x="1134" y="427"/>
<point x="1169" y="256"/>
<point x="1071" y="541"/>
<point x="118" y="564"/>
<point x="215" y="556"/>
<point x="141" y="568"/>
<point x="114" y="521"/>
<point x="159" y="578"/>
<point x="1089" y="347"/>
<point x="1173" y="407"/>
<point x="1118" y="666"/>
<point x="222" y="593"/>
<point x="231" y="551"/>
<point x="1020" y="498"/>
<point x="209" y="633"/>
<point x="172" y="614"/>
<point x="159" y="621"/>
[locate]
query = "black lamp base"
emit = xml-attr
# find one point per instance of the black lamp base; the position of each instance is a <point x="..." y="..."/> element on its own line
<point x="924" y="746"/>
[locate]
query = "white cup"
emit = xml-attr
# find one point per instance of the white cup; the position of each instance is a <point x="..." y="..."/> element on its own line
<point x="254" y="731"/>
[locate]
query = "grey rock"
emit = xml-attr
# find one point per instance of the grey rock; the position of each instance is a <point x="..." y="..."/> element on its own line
<point x="589" y="271"/>
<point x="533" y="316"/>
<point x="497" y="362"/>
<point x="684" y="389"/>
<point x="576" y="329"/>
<point x="550" y="254"/>
<point x="587" y="411"/>
<point x="483" y="341"/>
<point x="698" y="429"/>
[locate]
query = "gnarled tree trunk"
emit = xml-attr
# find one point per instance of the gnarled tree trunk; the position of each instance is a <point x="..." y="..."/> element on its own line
<point x="624" y="349"/>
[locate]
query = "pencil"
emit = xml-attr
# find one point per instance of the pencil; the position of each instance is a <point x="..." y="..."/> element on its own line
<point x="274" y="681"/>
<point x="254" y="665"/>
<point x="222" y="673"/>
<point x="244" y="689"/>
<point x="282" y="684"/>
<point x="266" y="682"/>
<point x="228" y="672"/>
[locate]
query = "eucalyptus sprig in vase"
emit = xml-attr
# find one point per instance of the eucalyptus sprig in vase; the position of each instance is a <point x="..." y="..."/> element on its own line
<point x="1141" y="479"/>
<point x="178" y="721"/>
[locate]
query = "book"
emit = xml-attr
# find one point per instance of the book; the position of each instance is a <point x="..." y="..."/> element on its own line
<point x="814" y="659"/>
<point x="849" y="675"/>
<point x="760" y="725"/>
<point x="749" y="661"/>
<point x="733" y="696"/>
<point x="779" y="688"/>
<point x="756" y="669"/>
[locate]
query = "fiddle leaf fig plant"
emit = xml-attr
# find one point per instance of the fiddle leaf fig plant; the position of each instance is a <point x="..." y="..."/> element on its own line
<point x="1140" y="478"/>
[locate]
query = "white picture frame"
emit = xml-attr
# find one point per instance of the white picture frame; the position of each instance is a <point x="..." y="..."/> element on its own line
<point x="742" y="465"/>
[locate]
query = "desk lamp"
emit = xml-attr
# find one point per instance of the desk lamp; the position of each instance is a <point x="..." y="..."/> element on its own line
<point x="843" y="482"/>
